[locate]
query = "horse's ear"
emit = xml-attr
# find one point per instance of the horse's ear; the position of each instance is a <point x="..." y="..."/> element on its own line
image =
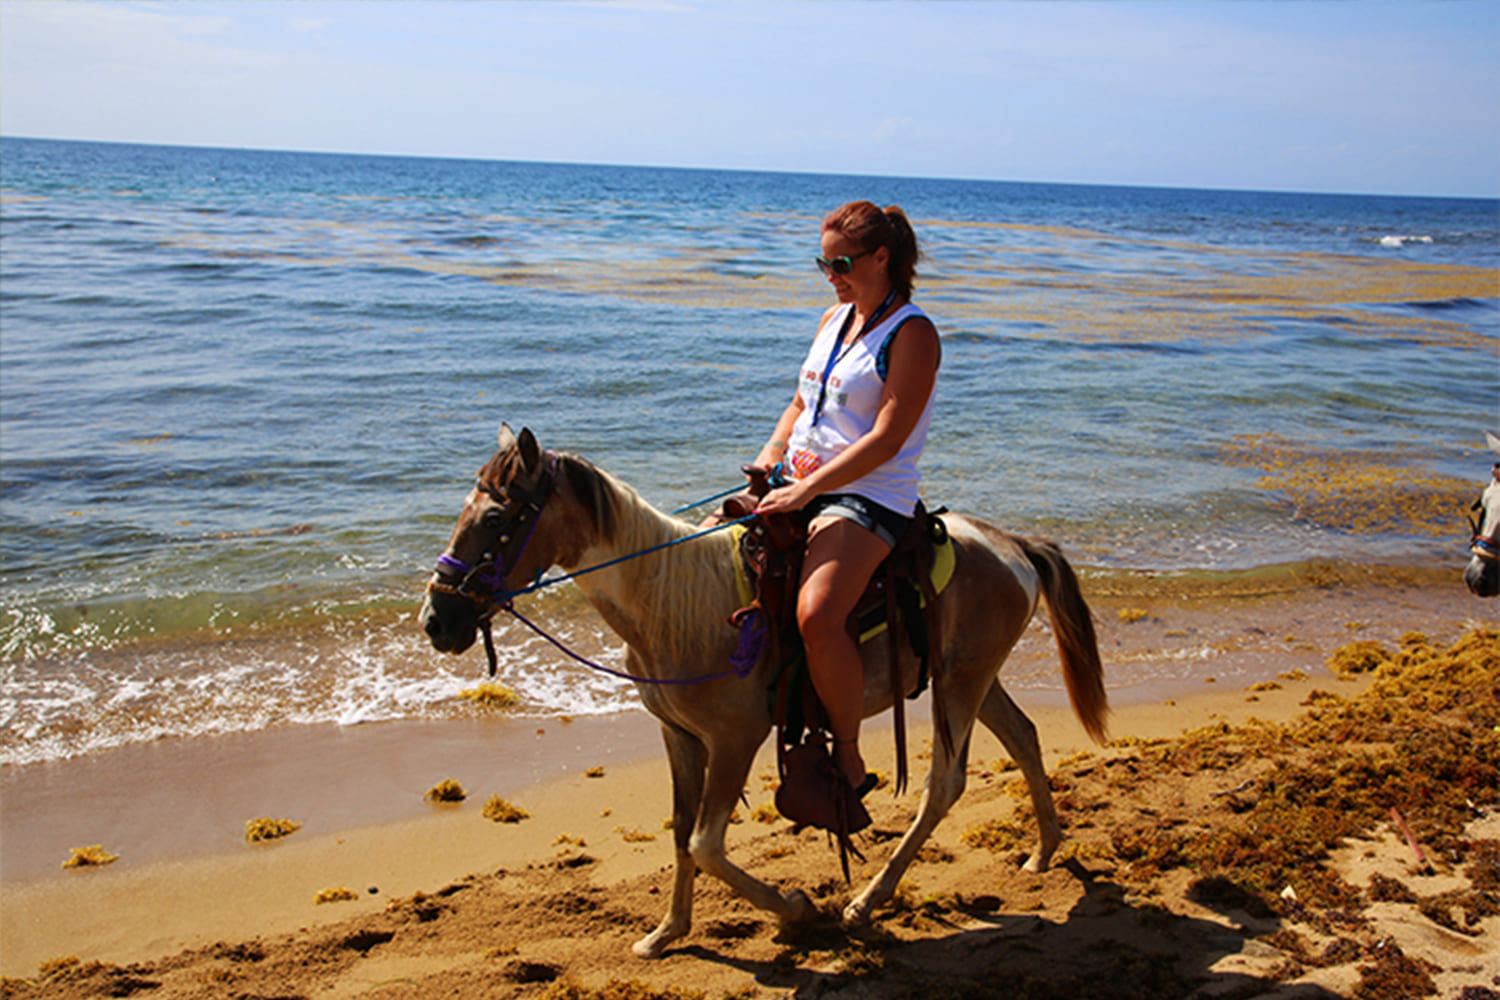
<point x="531" y="452"/>
<point x="507" y="437"/>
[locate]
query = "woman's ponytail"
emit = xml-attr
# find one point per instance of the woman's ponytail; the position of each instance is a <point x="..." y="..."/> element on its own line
<point x="902" y="266"/>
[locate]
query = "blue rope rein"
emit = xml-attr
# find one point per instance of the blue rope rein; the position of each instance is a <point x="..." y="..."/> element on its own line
<point x="539" y="583"/>
<point x="717" y="496"/>
<point x="741" y="662"/>
<point x="506" y="603"/>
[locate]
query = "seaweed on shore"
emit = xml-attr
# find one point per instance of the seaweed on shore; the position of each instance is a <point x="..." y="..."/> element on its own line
<point x="265" y="828"/>
<point x="491" y="694"/>
<point x="92" y="856"/>
<point x="447" y="790"/>
<point x="501" y="811"/>
<point x="630" y="989"/>
<point x="1423" y="739"/>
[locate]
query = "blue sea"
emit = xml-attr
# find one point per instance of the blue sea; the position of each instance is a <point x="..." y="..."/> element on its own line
<point x="243" y="394"/>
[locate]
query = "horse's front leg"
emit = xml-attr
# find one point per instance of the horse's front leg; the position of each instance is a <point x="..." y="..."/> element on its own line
<point x="685" y="756"/>
<point x="729" y="763"/>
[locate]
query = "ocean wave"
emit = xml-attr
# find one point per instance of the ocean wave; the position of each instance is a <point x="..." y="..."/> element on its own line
<point x="97" y="698"/>
<point x="1460" y="302"/>
<point x="1398" y="242"/>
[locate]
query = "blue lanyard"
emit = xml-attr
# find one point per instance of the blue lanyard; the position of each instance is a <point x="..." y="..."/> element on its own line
<point x="835" y="355"/>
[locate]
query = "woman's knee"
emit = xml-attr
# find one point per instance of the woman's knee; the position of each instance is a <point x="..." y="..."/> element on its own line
<point x="818" y="618"/>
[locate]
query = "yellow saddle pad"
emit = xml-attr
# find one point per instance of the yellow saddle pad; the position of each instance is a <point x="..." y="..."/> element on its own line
<point x="942" y="572"/>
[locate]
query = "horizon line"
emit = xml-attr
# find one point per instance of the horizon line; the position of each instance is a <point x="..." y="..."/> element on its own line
<point x="756" y="170"/>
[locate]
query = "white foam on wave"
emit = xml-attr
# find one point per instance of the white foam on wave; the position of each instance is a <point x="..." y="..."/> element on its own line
<point x="98" y="699"/>
<point x="1400" y="241"/>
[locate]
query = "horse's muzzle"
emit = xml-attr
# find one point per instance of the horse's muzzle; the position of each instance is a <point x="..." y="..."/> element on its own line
<point x="450" y="622"/>
<point x="1483" y="577"/>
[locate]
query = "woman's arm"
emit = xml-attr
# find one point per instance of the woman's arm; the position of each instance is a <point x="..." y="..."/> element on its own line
<point x="914" y="359"/>
<point x="774" y="450"/>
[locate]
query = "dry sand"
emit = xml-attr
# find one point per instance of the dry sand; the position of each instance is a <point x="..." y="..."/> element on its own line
<point x="446" y="903"/>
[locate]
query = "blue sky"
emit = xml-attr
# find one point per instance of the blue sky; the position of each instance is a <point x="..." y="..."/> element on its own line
<point x="1310" y="96"/>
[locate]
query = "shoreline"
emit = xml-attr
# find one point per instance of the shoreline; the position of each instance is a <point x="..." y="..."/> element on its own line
<point x="242" y="891"/>
<point x="1184" y="625"/>
<point x="1161" y="638"/>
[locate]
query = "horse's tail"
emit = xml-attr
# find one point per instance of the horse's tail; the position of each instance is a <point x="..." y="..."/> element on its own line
<point x="1073" y="627"/>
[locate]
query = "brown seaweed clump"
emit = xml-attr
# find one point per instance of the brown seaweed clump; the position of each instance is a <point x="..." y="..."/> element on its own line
<point x="338" y="894"/>
<point x="1423" y="740"/>
<point x="490" y="695"/>
<point x="447" y="790"/>
<point x="501" y="811"/>
<point x="1361" y="492"/>
<point x="1355" y="658"/>
<point x="631" y="989"/>
<point x="92" y="856"/>
<point x="264" y="828"/>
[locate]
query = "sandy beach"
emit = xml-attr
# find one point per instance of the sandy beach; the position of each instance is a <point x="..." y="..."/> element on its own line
<point x="443" y="902"/>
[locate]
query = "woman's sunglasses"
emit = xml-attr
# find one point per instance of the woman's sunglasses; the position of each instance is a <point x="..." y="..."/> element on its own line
<point x="840" y="265"/>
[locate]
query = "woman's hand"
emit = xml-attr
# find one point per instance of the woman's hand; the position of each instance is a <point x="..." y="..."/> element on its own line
<point x="784" y="499"/>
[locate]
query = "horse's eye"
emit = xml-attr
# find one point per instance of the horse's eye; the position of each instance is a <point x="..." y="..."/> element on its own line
<point x="494" y="517"/>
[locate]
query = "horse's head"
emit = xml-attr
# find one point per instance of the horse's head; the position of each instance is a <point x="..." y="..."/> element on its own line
<point x="521" y="517"/>
<point x="1483" y="572"/>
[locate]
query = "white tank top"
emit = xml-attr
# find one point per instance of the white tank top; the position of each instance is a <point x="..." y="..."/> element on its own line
<point x="849" y="409"/>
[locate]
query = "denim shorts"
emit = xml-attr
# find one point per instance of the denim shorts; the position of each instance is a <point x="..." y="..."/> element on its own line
<point x="884" y="522"/>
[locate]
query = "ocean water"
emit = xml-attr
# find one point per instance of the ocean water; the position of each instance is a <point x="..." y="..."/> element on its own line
<point x="243" y="393"/>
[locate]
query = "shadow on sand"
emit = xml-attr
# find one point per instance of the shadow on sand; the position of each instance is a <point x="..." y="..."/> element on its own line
<point x="1104" y="949"/>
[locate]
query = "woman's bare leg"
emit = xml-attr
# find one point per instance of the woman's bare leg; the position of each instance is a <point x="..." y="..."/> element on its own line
<point x="841" y="557"/>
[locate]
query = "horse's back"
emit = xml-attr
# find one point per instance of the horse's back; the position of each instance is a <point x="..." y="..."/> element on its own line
<point x="987" y="555"/>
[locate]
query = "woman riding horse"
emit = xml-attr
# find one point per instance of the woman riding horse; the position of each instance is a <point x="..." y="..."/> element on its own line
<point x="850" y="439"/>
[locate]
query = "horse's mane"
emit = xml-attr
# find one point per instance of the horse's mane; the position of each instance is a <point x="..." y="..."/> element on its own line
<point x="682" y="595"/>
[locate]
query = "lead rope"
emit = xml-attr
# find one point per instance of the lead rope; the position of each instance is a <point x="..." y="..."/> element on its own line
<point x="506" y="603"/>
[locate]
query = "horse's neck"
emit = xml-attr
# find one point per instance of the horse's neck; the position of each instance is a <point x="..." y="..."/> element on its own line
<point x="638" y="529"/>
<point x="668" y="604"/>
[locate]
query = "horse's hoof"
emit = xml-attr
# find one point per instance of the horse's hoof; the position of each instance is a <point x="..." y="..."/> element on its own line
<point x="800" y="909"/>
<point x="1037" y="863"/>
<point x="857" y="914"/>
<point x="653" y="945"/>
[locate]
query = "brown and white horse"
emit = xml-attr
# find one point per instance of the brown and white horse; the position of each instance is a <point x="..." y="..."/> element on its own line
<point x="531" y="510"/>
<point x="1482" y="575"/>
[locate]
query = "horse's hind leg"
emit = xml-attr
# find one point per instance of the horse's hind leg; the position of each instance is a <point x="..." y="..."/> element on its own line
<point x="686" y="756"/>
<point x="1006" y="720"/>
<point x="945" y="783"/>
